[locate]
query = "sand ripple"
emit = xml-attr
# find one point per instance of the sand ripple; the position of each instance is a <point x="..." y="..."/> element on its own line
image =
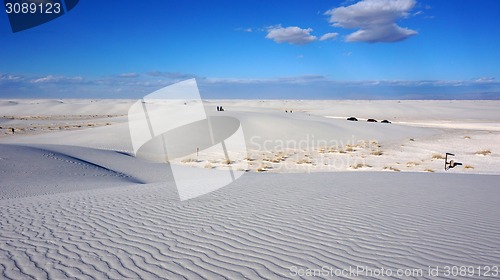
<point x="257" y="228"/>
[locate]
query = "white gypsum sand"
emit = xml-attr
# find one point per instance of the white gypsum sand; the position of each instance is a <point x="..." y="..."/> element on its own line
<point x="75" y="202"/>
<point x="314" y="138"/>
<point x="262" y="226"/>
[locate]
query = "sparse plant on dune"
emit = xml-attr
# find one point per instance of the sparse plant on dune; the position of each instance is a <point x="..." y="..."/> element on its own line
<point x="467" y="166"/>
<point x="377" y="153"/>
<point x="429" y="170"/>
<point x="412" y="163"/>
<point x="264" y="167"/>
<point x="483" y="153"/>
<point x="374" y="144"/>
<point x="360" y="165"/>
<point x="304" y="161"/>
<point x="391" y="168"/>
<point x="279" y="158"/>
<point x="437" y="156"/>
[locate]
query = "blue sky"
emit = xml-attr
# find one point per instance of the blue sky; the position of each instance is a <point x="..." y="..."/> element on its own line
<point x="369" y="49"/>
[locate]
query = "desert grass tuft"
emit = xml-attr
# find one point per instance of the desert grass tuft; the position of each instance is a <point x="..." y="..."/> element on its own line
<point x="391" y="168"/>
<point x="483" y="152"/>
<point x="437" y="156"/>
<point x="304" y="161"/>
<point x="412" y="163"/>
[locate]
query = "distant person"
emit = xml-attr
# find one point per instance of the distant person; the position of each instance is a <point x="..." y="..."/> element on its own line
<point x="218" y="108"/>
<point x="13" y="130"/>
<point x="291" y="111"/>
<point x="286" y="111"/>
<point x="221" y="109"/>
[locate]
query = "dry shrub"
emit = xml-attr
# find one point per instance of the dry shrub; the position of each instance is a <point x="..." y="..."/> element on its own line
<point x="391" y="168"/>
<point x="304" y="161"/>
<point x="360" y="165"/>
<point x="264" y="168"/>
<point x="437" y="156"/>
<point x="332" y="150"/>
<point x="483" y="152"/>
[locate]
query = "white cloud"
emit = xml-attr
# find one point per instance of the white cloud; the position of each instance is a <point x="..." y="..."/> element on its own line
<point x="376" y="20"/>
<point x="293" y="35"/>
<point x="328" y="36"/>
<point x="485" y="80"/>
<point x="276" y="80"/>
<point x="249" y="29"/>
<point x="172" y="75"/>
<point x="304" y="86"/>
<point x="10" y="78"/>
<point x="129" y="75"/>
<point x="57" y="79"/>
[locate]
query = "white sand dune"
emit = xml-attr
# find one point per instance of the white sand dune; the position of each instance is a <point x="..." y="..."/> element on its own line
<point x="306" y="140"/>
<point x="75" y="203"/>
<point x="264" y="226"/>
<point x="44" y="169"/>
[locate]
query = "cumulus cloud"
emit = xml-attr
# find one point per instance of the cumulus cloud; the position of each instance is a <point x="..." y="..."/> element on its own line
<point x="293" y="35"/>
<point x="376" y="20"/>
<point x="328" y="36"/>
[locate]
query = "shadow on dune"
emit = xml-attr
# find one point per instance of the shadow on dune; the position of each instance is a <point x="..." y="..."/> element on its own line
<point x="42" y="169"/>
